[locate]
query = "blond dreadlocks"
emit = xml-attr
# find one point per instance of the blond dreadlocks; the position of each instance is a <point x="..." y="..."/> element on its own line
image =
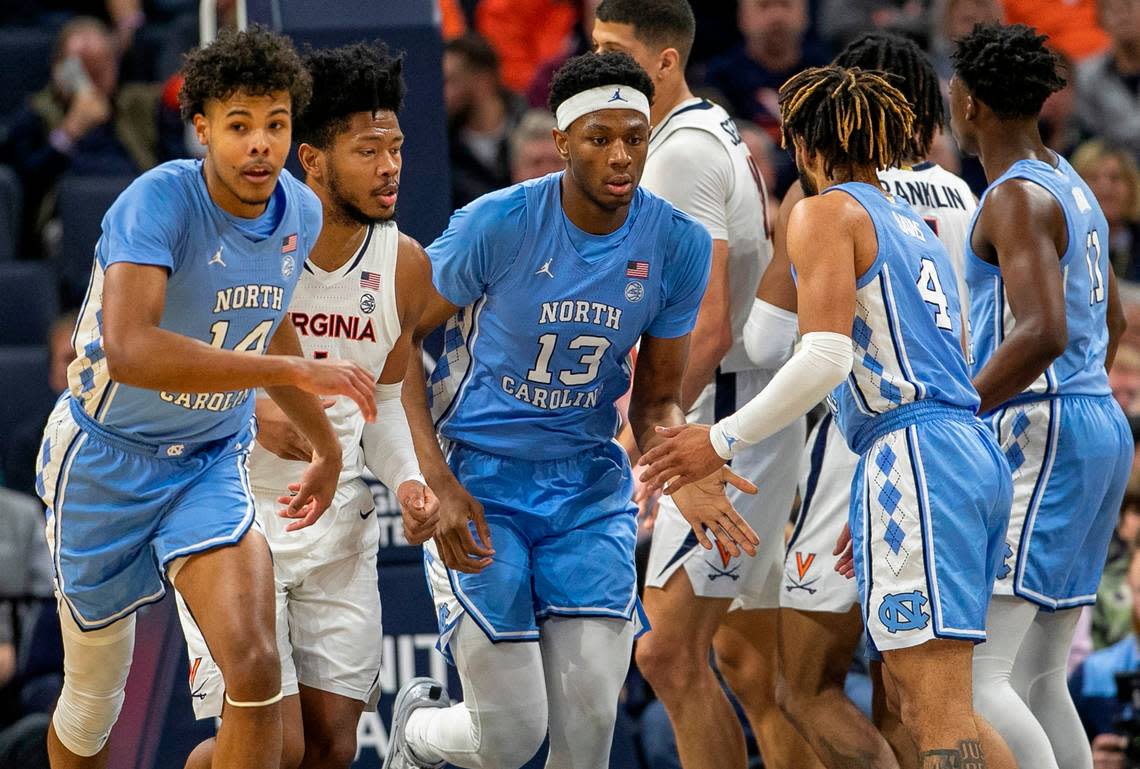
<point x="852" y="117"/>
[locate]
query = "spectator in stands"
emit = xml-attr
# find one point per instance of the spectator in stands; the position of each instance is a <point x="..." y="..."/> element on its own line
<point x="1072" y="25"/>
<point x="1093" y="683"/>
<point x="25" y="578"/>
<point x="841" y="21"/>
<point x="774" y="49"/>
<point x="527" y="33"/>
<point x="1108" y="85"/>
<point x="1113" y="175"/>
<point x="1111" y="618"/>
<point x="951" y="20"/>
<point x="83" y="122"/>
<point x="481" y="114"/>
<point x="533" y="153"/>
<point x="23" y="441"/>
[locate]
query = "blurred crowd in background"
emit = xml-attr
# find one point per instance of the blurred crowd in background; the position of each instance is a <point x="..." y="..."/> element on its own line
<point x="104" y="108"/>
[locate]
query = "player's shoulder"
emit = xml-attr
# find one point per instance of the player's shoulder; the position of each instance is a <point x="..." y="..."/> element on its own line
<point x="684" y="229"/>
<point x="168" y="188"/>
<point x="298" y="193"/>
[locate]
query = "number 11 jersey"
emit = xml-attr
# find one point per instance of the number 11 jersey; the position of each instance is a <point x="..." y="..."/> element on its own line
<point x="535" y="360"/>
<point x="1084" y="272"/>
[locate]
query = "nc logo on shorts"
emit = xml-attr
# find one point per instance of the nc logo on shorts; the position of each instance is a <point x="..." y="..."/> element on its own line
<point x="175" y="450"/>
<point x="1005" y="569"/>
<point x="903" y="611"/>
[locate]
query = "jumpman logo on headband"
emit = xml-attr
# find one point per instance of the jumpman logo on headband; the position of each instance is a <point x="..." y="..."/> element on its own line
<point x="617" y="96"/>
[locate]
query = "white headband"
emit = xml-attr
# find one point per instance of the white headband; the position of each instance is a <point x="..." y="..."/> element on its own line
<point x="602" y="97"/>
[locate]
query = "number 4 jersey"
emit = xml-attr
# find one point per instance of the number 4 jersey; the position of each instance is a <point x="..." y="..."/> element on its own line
<point x="535" y="360"/>
<point x="1084" y="271"/>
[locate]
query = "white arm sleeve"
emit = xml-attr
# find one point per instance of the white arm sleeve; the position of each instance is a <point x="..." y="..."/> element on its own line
<point x="388" y="449"/>
<point x="769" y="334"/>
<point x="823" y="361"/>
<point x="693" y="171"/>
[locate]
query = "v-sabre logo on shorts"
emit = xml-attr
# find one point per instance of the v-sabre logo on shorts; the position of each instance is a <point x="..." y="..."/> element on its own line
<point x="716" y="572"/>
<point x="903" y="611"/>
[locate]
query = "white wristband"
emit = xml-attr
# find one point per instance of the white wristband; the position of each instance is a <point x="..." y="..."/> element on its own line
<point x="823" y="361"/>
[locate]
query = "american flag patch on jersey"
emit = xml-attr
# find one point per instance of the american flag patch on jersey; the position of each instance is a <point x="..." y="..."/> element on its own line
<point x="637" y="269"/>
<point x="370" y="280"/>
<point x="289" y="244"/>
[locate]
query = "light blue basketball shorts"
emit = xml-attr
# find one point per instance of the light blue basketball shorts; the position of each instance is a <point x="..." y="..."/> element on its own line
<point x="120" y="510"/>
<point x="563" y="531"/>
<point x="1071" y="457"/>
<point x="929" y="507"/>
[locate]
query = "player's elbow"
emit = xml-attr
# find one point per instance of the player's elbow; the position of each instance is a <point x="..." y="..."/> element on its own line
<point x="121" y="363"/>
<point x="1049" y="340"/>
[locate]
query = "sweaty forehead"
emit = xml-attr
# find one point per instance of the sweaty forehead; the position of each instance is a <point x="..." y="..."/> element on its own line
<point x="381" y="123"/>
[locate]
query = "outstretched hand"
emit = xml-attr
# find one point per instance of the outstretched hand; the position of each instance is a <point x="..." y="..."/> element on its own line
<point x="707" y="509"/>
<point x="686" y="456"/>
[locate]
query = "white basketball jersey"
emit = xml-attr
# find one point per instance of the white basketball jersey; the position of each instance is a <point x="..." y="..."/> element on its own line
<point x="743" y="197"/>
<point x="945" y="202"/>
<point x="350" y="314"/>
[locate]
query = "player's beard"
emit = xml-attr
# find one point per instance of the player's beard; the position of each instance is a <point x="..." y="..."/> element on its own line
<point x="345" y="208"/>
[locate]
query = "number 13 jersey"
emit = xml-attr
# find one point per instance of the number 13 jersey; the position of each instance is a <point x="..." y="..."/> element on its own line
<point x="535" y="360"/>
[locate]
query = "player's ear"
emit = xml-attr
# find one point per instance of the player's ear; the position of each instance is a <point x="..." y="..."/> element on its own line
<point x="668" y="60"/>
<point x="562" y="144"/>
<point x="310" y="158"/>
<point x="202" y="129"/>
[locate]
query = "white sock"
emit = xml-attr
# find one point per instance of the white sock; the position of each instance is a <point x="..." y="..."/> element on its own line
<point x="1007" y="624"/>
<point x="502" y="720"/>
<point x="585" y="660"/>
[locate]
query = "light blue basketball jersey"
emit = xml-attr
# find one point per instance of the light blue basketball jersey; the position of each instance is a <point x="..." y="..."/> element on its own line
<point x="1084" y="270"/>
<point x="224" y="288"/>
<point x="534" y="362"/>
<point x="908" y="326"/>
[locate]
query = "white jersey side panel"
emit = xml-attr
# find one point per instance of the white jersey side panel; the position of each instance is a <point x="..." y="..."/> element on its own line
<point x="947" y="204"/>
<point x="350" y="314"/>
<point x="745" y="202"/>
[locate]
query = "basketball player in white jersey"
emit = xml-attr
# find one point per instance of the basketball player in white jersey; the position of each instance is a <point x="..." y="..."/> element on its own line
<point x="698" y="162"/>
<point x="358" y="299"/>
<point x="820" y="620"/>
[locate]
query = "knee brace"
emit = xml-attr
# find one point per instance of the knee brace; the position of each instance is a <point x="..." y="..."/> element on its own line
<point x="95" y="668"/>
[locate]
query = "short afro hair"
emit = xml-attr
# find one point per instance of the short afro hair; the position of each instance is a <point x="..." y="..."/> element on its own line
<point x="664" y="23"/>
<point x="909" y="70"/>
<point x="591" y="70"/>
<point x="257" y="62"/>
<point x="1008" y="68"/>
<point x="362" y="77"/>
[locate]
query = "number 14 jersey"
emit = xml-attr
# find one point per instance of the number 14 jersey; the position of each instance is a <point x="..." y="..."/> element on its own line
<point x="535" y="360"/>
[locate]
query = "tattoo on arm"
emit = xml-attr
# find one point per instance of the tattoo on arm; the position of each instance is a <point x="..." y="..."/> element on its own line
<point x="968" y="755"/>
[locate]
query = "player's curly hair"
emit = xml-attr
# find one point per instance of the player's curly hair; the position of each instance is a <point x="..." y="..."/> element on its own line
<point x="256" y="62"/>
<point x="911" y="72"/>
<point x="362" y="77"/>
<point x="591" y="70"/>
<point x="1008" y="68"/>
<point x="852" y="117"/>
<point x="663" y="23"/>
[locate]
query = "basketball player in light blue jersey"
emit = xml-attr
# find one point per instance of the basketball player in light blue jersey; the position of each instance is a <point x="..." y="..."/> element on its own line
<point x="143" y="466"/>
<point x="1046" y="320"/>
<point x="555" y="280"/>
<point x="878" y="309"/>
